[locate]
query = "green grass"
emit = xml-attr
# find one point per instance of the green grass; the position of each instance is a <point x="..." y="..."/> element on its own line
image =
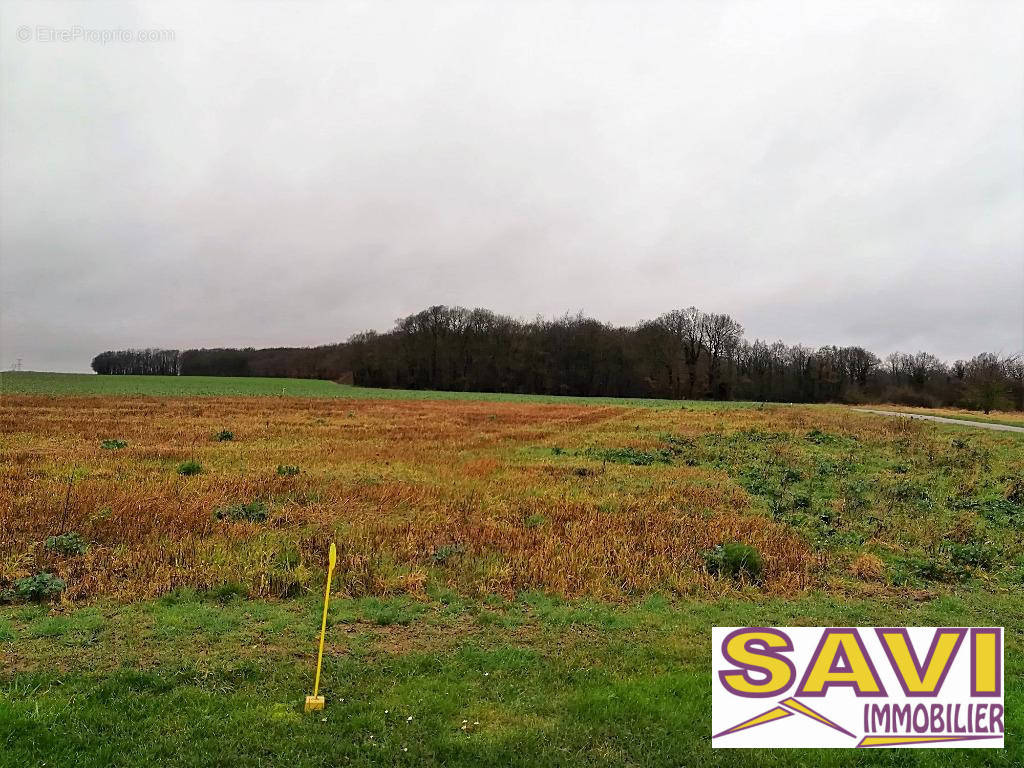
<point x="936" y="510"/>
<point x="192" y="681"/>
<point x="32" y="383"/>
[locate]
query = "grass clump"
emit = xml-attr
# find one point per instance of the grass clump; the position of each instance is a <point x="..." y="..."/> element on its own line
<point x="287" y="470"/>
<point x="67" y="544"/>
<point x="190" y="468"/>
<point x="225" y="436"/>
<point x="868" y="567"/>
<point x="735" y="560"/>
<point x="113" y="445"/>
<point x="253" y="512"/>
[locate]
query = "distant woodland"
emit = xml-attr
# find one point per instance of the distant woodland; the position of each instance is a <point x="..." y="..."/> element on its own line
<point x="685" y="353"/>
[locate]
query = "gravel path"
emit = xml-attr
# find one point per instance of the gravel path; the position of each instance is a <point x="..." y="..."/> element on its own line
<point x="944" y="420"/>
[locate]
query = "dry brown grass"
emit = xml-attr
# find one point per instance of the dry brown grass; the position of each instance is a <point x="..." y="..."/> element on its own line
<point x="868" y="567"/>
<point x="467" y="493"/>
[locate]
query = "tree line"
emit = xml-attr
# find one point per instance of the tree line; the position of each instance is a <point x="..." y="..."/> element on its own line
<point x="686" y="353"/>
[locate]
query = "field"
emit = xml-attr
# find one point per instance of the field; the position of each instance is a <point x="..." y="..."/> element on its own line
<point x="545" y="574"/>
<point x="30" y="383"/>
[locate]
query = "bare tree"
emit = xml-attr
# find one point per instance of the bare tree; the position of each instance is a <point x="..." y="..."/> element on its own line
<point x="987" y="381"/>
<point x="720" y="335"/>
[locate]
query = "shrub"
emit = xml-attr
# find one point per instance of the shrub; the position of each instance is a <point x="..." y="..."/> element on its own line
<point x="534" y="521"/>
<point x="253" y="512"/>
<point x="113" y="445"/>
<point x="735" y="559"/>
<point x="189" y="468"/>
<point x="67" y="544"/>
<point x="225" y="436"/>
<point x="39" y="587"/>
<point x="287" y="470"/>
<point x="868" y="567"/>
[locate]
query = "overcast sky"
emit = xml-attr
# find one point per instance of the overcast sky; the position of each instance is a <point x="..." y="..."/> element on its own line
<point x="288" y="174"/>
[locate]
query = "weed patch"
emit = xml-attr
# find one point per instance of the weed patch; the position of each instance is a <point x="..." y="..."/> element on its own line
<point x="37" y="588"/>
<point x="253" y="512"/>
<point x="67" y="544"/>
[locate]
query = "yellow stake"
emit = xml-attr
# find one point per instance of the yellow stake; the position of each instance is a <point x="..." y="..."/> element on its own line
<point x="316" y="702"/>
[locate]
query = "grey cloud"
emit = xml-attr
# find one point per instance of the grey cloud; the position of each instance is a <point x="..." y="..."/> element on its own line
<point x="291" y="174"/>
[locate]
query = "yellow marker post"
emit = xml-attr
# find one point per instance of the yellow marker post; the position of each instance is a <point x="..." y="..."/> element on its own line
<point x="316" y="702"/>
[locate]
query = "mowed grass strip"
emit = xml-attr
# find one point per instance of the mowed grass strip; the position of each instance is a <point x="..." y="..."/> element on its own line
<point x="191" y="680"/>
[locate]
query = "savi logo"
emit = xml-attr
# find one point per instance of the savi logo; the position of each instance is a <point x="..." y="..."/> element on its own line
<point x="857" y="687"/>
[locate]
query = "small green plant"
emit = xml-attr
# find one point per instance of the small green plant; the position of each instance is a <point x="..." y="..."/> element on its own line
<point x="534" y="521"/>
<point x="67" y="544"/>
<point x="253" y="512"/>
<point x="287" y="470"/>
<point x="37" y="588"/>
<point x="735" y="559"/>
<point x="443" y="554"/>
<point x="113" y="445"/>
<point x="190" y="468"/>
<point x="225" y="436"/>
<point x="556" y="450"/>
